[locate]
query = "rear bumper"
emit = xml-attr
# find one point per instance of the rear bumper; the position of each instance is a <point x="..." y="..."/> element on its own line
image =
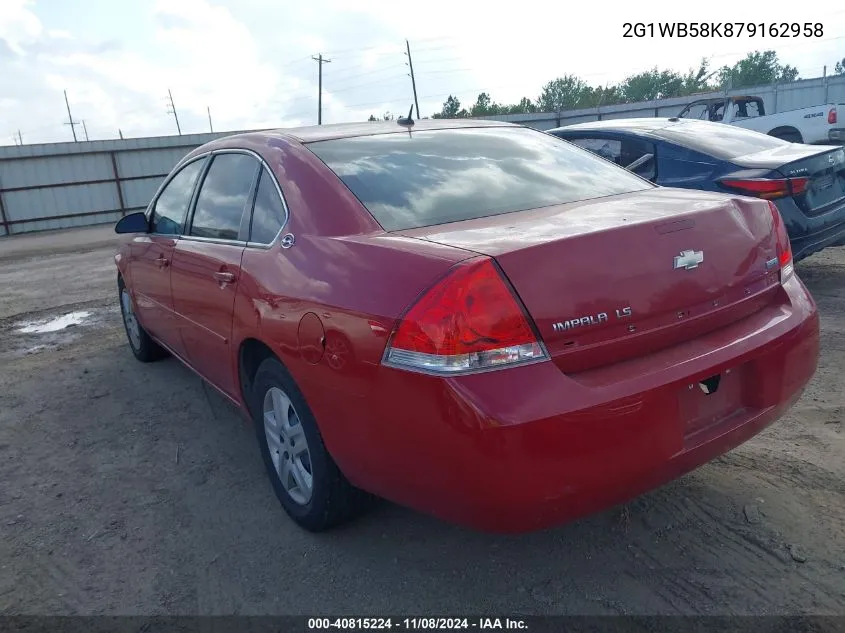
<point x="810" y="234"/>
<point x="529" y="447"/>
<point x="837" y="134"/>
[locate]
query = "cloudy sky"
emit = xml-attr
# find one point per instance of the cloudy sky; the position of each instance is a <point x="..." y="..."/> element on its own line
<point x="249" y="61"/>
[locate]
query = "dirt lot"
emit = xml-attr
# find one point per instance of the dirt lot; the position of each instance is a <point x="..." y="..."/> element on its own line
<point x="99" y="516"/>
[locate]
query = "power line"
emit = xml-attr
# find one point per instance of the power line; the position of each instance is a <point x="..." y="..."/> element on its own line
<point x="344" y="77"/>
<point x="383" y="80"/>
<point x="320" y="61"/>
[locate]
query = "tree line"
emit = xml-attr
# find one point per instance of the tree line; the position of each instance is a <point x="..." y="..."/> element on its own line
<point x="570" y="92"/>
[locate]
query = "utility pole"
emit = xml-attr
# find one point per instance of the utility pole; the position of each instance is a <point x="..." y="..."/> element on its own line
<point x="320" y="61"/>
<point x="119" y="131"/>
<point x="210" y="127"/>
<point x="20" y="138"/>
<point x="85" y="129"/>
<point x="413" y="81"/>
<point x="70" y="120"/>
<point x="172" y="111"/>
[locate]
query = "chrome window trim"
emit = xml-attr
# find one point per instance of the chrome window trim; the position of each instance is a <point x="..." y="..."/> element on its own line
<point x="189" y="215"/>
<point x="271" y="243"/>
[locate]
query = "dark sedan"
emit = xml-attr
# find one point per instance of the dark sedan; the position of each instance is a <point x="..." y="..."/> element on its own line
<point x="806" y="182"/>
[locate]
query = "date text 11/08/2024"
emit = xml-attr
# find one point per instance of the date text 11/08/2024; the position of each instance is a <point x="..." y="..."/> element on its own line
<point x="417" y="624"/>
<point x="723" y="29"/>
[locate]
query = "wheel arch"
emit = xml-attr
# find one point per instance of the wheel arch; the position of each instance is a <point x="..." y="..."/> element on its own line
<point x="251" y="353"/>
<point x="787" y="130"/>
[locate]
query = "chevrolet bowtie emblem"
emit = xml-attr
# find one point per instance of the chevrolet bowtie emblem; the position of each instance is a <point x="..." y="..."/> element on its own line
<point x="689" y="259"/>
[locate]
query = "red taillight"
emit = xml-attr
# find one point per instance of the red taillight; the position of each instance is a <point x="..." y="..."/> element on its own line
<point x="468" y="321"/>
<point x="831" y="116"/>
<point x="768" y="188"/>
<point x="784" y="249"/>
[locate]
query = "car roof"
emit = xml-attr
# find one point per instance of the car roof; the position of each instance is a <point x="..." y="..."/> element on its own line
<point x="642" y="126"/>
<point x="313" y="133"/>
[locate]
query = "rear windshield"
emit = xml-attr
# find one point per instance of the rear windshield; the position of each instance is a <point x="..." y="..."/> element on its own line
<point x="407" y="180"/>
<point x="718" y="139"/>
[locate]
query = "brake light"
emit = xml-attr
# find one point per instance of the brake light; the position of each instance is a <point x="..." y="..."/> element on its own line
<point x="469" y="320"/>
<point x="767" y="188"/>
<point x="831" y="116"/>
<point x="784" y="249"/>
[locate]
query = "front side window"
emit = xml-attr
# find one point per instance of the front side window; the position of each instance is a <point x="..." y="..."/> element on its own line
<point x="172" y="204"/>
<point x="223" y="197"/>
<point x="413" y="179"/>
<point x="268" y="214"/>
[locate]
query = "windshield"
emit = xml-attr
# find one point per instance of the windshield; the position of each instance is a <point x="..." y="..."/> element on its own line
<point x="718" y="139"/>
<point x="407" y="180"/>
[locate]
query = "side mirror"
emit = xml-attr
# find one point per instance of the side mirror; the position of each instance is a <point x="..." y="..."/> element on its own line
<point x="133" y="223"/>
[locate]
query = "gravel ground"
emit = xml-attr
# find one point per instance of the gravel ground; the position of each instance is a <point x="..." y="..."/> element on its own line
<point x="135" y="489"/>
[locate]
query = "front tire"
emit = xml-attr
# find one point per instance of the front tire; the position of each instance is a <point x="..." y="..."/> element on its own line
<point x="305" y="478"/>
<point x="143" y="347"/>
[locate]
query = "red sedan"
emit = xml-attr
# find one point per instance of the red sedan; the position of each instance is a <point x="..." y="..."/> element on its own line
<point x="473" y="319"/>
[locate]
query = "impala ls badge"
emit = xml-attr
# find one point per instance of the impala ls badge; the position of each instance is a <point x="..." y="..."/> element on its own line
<point x="689" y="259"/>
<point x="591" y="319"/>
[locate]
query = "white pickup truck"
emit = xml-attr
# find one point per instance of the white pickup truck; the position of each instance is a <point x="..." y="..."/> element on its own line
<point x="818" y="124"/>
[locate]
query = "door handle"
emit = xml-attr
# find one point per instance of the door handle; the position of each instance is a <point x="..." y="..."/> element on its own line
<point x="162" y="261"/>
<point x="224" y="277"/>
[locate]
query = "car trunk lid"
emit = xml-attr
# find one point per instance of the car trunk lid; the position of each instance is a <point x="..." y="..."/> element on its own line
<point x="817" y="173"/>
<point x="624" y="276"/>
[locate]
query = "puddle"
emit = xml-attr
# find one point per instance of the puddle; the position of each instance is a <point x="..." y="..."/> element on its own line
<point x="53" y="325"/>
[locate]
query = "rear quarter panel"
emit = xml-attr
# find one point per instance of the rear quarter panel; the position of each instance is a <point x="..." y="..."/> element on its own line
<point x="686" y="168"/>
<point x="354" y="277"/>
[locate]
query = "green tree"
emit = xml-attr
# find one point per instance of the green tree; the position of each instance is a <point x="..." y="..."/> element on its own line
<point x="698" y="80"/>
<point x="485" y="106"/>
<point x="524" y="106"/>
<point x="757" y="69"/>
<point x="450" y="109"/>
<point x="564" y="93"/>
<point x="652" y="84"/>
<point x="607" y="95"/>
<point x="663" y="84"/>
<point x="372" y="118"/>
<point x="839" y="69"/>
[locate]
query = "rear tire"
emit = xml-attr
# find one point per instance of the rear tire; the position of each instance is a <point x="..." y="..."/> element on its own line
<point x="305" y="478"/>
<point x="144" y="348"/>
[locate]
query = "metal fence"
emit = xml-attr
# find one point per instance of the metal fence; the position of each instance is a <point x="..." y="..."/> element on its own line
<point x="60" y="185"/>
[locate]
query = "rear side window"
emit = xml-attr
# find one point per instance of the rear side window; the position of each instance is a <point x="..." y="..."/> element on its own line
<point x="609" y="149"/>
<point x="412" y="179"/>
<point x="719" y="140"/>
<point x="223" y="197"/>
<point x="635" y="155"/>
<point x="172" y="203"/>
<point x="268" y="214"/>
